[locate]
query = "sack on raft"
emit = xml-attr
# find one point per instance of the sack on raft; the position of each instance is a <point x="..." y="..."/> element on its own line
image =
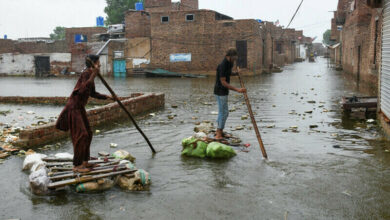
<point x="192" y="147"/>
<point x="93" y="186"/>
<point x="32" y="159"/>
<point x="128" y="164"/>
<point x="123" y="155"/>
<point x="220" y="151"/>
<point x="140" y="182"/>
<point x="39" y="181"/>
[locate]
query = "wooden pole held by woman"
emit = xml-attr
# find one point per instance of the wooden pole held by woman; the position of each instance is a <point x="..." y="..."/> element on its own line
<point x="124" y="108"/>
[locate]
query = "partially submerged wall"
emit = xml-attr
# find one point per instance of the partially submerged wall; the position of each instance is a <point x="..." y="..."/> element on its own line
<point x="97" y="116"/>
<point x="22" y="100"/>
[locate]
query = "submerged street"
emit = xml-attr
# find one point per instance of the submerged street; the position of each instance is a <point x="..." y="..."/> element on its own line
<point x="338" y="170"/>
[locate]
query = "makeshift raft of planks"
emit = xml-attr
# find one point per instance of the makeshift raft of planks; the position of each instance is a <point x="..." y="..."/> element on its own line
<point x="61" y="171"/>
<point x="229" y="139"/>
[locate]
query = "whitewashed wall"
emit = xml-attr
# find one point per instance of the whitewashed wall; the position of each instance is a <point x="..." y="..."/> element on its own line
<point x="23" y="64"/>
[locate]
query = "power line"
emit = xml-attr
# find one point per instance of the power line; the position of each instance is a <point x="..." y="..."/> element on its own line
<point x="299" y="6"/>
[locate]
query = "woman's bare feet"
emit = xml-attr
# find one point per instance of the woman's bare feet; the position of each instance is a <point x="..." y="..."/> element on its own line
<point x="91" y="165"/>
<point x="81" y="169"/>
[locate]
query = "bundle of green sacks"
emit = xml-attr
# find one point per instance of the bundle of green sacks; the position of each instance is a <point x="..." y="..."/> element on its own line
<point x="193" y="147"/>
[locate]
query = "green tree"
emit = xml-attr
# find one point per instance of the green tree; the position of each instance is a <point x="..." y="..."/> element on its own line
<point x="326" y="37"/>
<point x="58" y="33"/>
<point x="116" y="9"/>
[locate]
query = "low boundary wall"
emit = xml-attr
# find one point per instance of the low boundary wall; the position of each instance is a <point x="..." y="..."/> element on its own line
<point x="45" y="134"/>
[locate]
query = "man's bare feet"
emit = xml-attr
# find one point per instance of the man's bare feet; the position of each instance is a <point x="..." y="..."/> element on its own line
<point x="219" y="134"/>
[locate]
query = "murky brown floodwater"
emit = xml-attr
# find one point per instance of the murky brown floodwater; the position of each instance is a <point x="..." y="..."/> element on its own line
<point x="304" y="178"/>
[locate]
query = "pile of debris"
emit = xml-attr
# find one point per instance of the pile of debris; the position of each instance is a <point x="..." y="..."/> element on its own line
<point x="49" y="174"/>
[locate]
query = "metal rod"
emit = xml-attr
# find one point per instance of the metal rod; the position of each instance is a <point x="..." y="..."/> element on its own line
<point x="253" y="120"/>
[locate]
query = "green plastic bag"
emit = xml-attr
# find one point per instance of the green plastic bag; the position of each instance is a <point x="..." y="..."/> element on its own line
<point x="218" y="150"/>
<point x="193" y="148"/>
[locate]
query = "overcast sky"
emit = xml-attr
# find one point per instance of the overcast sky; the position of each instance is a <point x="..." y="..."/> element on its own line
<point x="38" y="18"/>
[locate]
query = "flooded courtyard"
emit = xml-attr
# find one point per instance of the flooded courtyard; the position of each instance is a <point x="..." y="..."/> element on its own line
<point x="322" y="164"/>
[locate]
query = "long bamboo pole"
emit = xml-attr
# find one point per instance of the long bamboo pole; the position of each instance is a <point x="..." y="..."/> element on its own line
<point x="123" y="107"/>
<point x="248" y="104"/>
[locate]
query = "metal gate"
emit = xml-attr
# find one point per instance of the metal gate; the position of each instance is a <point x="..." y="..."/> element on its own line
<point x="385" y="69"/>
<point x="242" y="51"/>
<point x="119" y="68"/>
<point x="42" y="66"/>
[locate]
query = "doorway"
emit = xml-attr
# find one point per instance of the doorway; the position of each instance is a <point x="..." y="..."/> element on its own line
<point x="242" y="50"/>
<point x="42" y="65"/>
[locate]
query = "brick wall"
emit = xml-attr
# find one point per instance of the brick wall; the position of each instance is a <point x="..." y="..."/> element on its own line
<point x="189" y="5"/>
<point x="268" y="48"/>
<point x="98" y="116"/>
<point x="6" y="46"/>
<point x="168" y="5"/>
<point x="359" y="32"/>
<point x="23" y="100"/>
<point x="205" y="38"/>
<point x="88" y="31"/>
<point x="10" y="46"/>
<point x="137" y="24"/>
<point x="79" y="52"/>
<point x="157" y="5"/>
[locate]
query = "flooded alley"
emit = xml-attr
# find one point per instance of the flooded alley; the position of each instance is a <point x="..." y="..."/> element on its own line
<point x="322" y="165"/>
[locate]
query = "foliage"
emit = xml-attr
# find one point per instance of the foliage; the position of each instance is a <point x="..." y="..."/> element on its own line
<point x="326" y="37"/>
<point x="116" y="9"/>
<point x="58" y="33"/>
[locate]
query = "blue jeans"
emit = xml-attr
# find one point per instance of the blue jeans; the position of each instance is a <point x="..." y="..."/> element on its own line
<point x="223" y="110"/>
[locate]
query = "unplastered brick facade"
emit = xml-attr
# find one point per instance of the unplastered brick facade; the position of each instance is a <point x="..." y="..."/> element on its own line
<point x="70" y="34"/>
<point x="168" y="5"/>
<point x="137" y="24"/>
<point x="281" y="45"/>
<point x="360" y="39"/>
<point x="205" y="38"/>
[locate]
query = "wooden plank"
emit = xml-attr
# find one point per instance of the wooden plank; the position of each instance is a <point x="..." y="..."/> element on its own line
<point x="56" y="164"/>
<point x="84" y="179"/>
<point x="53" y="159"/>
<point x="93" y="172"/>
<point x="65" y="170"/>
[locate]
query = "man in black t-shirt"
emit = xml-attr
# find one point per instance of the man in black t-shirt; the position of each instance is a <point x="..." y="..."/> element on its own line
<point x="222" y="87"/>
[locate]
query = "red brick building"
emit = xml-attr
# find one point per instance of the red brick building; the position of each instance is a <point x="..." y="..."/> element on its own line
<point x="356" y="27"/>
<point x="183" y="38"/>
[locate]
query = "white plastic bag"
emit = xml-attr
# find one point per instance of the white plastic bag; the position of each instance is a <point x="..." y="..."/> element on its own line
<point x="37" y="166"/>
<point x="39" y="182"/>
<point x="32" y="159"/>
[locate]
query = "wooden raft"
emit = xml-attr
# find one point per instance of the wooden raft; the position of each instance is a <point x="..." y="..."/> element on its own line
<point x="61" y="171"/>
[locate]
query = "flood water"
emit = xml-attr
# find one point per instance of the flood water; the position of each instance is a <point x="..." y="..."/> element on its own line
<point x="340" y="170"/>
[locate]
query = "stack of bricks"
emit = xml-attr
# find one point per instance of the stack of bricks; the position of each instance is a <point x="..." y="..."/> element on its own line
<point x="97" y="116"/>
